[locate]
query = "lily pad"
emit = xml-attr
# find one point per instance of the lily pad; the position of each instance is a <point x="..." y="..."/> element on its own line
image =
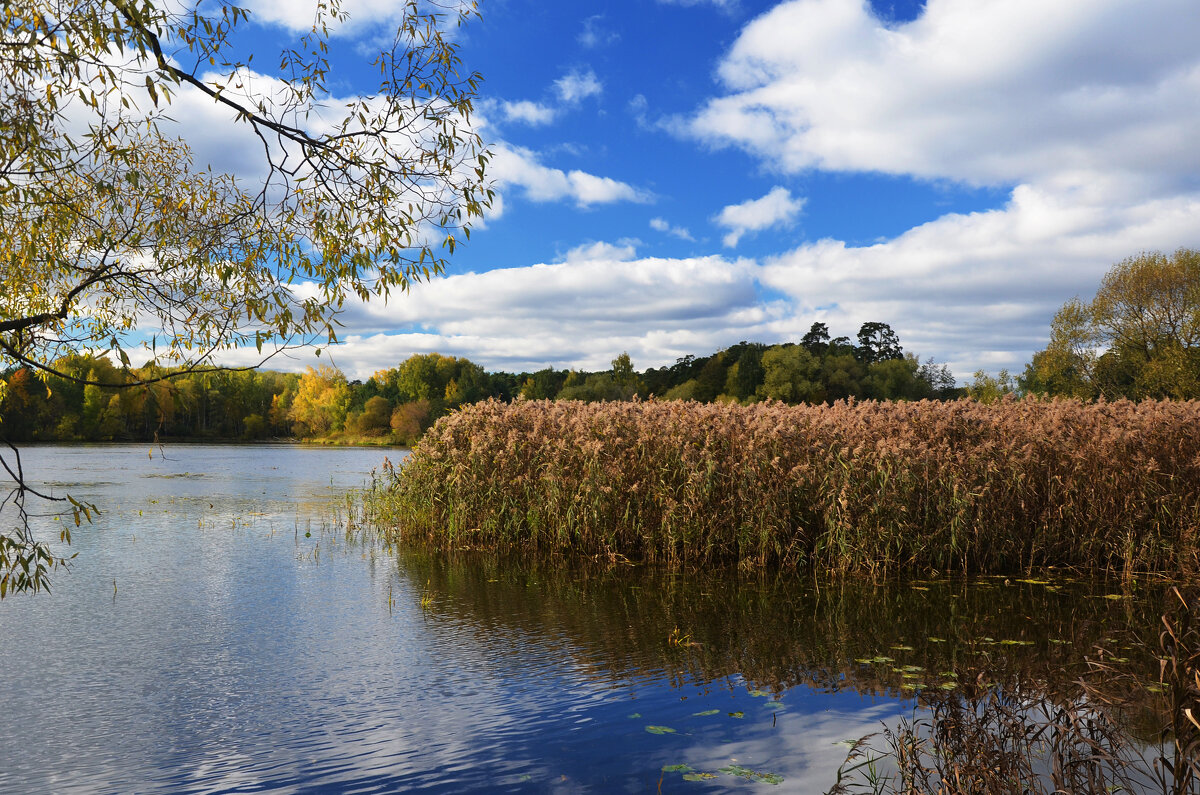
<point x="677" y="768"/>
<point x="660" y="730"/>
<point x="738" y="714"/>
<point x="760" y="694"/>
<point x="774" y="705"/>
<point x="706" y="713"/>
<point x="635" y="714"/>
<point x="698" y="776"/>
<point x="751" y="775"/>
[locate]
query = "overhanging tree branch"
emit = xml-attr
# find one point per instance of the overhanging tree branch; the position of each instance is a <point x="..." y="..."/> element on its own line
<point x="108" y="228"/>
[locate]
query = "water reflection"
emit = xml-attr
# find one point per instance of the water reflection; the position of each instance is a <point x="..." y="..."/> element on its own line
<point x="237" y="654"/>
<point x="1033" y="657"/>
<point x="778" y="632"/>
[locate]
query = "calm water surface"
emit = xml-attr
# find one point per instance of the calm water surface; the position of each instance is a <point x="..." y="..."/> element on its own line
<point x="218" y="633"/>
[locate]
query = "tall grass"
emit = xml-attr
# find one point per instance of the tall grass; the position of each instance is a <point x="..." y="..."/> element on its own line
<point x="863" y="487"/>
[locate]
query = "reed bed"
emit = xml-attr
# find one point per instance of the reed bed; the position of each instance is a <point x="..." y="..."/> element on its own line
<point x="856" y="487"/>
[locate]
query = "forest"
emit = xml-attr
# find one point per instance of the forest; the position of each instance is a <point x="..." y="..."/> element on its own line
<point x="397" y="405"/>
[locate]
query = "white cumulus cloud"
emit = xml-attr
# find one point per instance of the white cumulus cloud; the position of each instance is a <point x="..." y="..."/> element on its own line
<point x="577" y="85"/>
<point x="774" y="209"/>
<point x="531" y="113"/>
<point x="581" y="312"/>
<point x="517" y="166"/>
<point x="982" y="91"/>
<point x="664" y="226"/>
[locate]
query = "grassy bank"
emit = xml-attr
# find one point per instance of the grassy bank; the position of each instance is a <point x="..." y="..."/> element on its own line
<point x="340" y="439"/>
<point x="866" y="487"/>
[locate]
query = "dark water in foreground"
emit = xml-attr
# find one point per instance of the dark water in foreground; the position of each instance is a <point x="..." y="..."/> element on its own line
<point x="216" y="634"/>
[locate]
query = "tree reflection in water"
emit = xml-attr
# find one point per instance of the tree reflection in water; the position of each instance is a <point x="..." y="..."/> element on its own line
<point x="1115" y="731"/>
<point x="1029" y="685"/>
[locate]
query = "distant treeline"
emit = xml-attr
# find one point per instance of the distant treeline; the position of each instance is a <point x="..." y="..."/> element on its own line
<point x="397" y="405"/>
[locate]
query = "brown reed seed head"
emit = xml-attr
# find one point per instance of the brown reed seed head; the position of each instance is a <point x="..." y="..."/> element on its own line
<point x="870" y="487"/>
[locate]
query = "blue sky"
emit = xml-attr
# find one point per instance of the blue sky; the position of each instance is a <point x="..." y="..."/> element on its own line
<point x="677" y="176"/>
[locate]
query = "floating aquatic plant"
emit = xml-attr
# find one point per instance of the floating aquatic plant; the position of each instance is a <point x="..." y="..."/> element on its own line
<point x="751" y="775"/>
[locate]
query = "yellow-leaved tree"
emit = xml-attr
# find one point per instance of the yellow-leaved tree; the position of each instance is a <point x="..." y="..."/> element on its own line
<point x="321" y="403"/>
<point x="115" y="241"/>
<point x="1139" y="337"/>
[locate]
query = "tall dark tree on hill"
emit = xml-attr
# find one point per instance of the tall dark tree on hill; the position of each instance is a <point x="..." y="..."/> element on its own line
<point x="816" y="340"/>
<point x="877" y="343"/>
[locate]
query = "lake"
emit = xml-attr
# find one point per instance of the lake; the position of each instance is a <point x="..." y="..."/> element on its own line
<point x="218" y="632"/>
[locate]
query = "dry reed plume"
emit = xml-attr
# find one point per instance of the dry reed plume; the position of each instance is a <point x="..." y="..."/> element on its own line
<point x="864" y="487"/>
